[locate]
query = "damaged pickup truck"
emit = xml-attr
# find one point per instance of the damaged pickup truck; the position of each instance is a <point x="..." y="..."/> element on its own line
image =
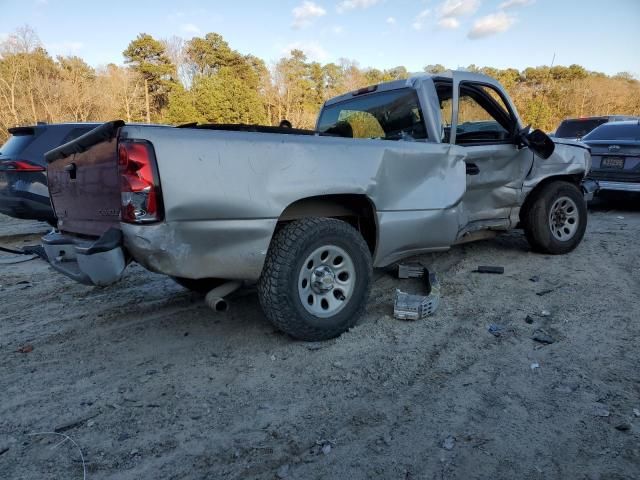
<point x="392" y="170"/>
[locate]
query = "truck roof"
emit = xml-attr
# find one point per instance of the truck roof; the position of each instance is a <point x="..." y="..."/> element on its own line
<point x="413" y="80"/>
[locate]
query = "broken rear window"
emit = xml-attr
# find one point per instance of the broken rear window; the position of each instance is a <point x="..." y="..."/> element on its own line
<point x="392" y="115"/>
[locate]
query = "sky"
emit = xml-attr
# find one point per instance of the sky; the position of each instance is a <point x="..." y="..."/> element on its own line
<point x="599" y="35"/>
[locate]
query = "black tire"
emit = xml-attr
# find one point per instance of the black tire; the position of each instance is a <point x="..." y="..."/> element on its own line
<point x="537" y="223"/>
<point x="200" y="285"/>
<point x="278" y="284"/>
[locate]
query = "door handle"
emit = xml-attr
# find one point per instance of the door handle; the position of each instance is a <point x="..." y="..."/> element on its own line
<point x="472" y="169"/>
<point x="71" y="169"/>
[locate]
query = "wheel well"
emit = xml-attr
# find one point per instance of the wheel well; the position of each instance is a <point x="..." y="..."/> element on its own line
<point x="575" y="179"/>
<point x="357" y="210"/>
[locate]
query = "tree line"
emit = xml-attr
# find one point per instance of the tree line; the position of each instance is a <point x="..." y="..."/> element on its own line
<point x="205" y="80"/>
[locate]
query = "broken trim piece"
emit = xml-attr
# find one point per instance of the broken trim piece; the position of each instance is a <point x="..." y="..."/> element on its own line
<point x="416" y="307"/>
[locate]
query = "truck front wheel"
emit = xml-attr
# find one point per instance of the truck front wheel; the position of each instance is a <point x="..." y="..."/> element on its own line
<point x="556" y="218"/>
<point x="316" y="278"/>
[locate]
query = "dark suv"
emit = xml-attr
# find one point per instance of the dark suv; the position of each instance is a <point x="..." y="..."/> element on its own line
<point x="576" y="128"/>
<point x="615" y="156"/>
<point x="23" y="177"/>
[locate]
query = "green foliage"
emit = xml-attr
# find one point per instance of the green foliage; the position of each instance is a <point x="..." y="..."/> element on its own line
<point x="437" y="68"/>
<point x="226" y="98"/>
<point x="147" y="56"/>
<point x="182" y="107"/>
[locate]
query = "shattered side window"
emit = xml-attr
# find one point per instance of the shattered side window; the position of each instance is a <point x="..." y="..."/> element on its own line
<point x="390" y="115"/>
<point x="482" y="115"/>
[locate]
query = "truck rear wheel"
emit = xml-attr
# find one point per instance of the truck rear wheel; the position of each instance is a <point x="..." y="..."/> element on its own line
<point x="316" y="278"/>
<point x="556" y="218"/>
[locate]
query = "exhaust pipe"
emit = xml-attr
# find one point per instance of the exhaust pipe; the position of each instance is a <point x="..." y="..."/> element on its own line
<point x="215" y="298"/>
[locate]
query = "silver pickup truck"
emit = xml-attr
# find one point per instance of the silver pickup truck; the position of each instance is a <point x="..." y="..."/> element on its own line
<point x="392" y="170"/>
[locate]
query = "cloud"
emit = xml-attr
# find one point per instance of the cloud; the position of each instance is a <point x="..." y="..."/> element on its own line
<point x="304" y="14"/>
<point x="190" y="28"/>
<point x="418" y="23"/>
<point x="458" y="8"/>
<point x="347" y="5"/>
<point x="313" y="50"/>
<point x="491" y="24"/>
<point x="391" y="20"/>
<point x="516" y="3"/>
<point x="450" y="23"/>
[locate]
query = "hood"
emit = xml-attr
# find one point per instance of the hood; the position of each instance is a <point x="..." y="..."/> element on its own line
<point x="571" y="142"/>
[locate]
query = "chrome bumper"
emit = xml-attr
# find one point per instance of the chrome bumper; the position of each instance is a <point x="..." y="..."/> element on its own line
<point x="92" y="262"/>
<point x="619" y="186"/>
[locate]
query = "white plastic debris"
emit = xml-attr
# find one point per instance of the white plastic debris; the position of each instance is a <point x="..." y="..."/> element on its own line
<point x="535" y="365"/>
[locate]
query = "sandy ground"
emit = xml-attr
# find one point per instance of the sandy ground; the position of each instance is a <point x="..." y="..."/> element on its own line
<point x="150" y="383"/>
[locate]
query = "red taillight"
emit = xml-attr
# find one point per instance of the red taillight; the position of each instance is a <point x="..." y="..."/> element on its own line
<point x="139" y="184"/>
<point x="21" y="166"/>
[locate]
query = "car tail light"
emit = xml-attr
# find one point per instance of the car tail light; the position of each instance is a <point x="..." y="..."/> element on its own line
<point x="20" y="166"/>
<point x="141" y="200"/>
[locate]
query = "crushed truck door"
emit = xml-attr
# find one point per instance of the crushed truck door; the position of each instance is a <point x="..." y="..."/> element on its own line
<point x="485" y="125"/>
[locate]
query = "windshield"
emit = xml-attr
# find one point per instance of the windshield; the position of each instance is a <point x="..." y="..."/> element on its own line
<point x="392" y="115"/>
<point x="616" y="131"/>
<point x="578" y="128"/>
<point x="16" y="144"/>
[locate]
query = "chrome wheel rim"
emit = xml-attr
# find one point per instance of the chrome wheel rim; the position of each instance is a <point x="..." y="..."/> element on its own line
<point x="326" y="281"/>
<point x="564" y="219"/>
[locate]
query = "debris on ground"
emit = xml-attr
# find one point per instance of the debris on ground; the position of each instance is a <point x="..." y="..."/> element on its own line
<point x="496" y="330"/>
<point x="283" y="471"/>
<point x="599" y="410"/>
<point x="529" y="319"/>
<point x="545" y="313"/>
<point x="534" y="366"/>
<point x="28" y="348"/>
<point x="415" y="307"/>
<point x="323" y="446"/>
<point x="544" y="292"/>
<point x="543" y="337"/>
<point x="315" y="345"/>
<point x="490" y="269"/>
<point x="410" y="270"/>
<point x="449" y="442"/>
<point x="623" y="427"/>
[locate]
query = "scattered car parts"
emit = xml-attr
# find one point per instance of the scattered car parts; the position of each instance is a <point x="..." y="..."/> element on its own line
<point x="416" y="307"/>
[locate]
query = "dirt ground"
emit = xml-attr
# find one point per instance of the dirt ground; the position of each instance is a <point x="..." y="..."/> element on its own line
<point x="149" y="383"/>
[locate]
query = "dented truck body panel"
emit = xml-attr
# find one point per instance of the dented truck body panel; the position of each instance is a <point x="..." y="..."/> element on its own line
<point x="222" y="224"/>
<point x="223" y="192"/>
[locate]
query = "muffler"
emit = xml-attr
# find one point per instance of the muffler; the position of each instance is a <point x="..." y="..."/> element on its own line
<point x="215" y="298"/>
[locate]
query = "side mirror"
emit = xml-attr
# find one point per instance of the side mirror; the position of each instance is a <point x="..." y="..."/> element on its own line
<point x="539" y="142"/>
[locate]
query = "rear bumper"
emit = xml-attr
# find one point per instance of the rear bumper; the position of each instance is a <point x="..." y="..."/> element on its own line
<point x="619" y="186"/>
<point x="92" y="262"/>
